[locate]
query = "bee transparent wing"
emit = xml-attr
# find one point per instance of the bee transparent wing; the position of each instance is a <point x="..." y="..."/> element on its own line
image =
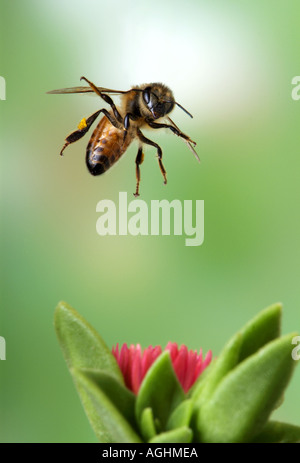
<point x="86" y="90"/>
<point x="189" y="143"/>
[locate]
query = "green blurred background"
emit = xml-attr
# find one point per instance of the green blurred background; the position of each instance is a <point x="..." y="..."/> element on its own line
<point x="231" y="65"/>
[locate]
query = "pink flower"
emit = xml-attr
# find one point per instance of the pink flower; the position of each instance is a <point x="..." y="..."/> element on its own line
<point x="134" y="363"/>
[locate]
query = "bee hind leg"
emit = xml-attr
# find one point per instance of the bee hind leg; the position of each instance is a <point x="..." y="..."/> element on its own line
<point x="82" y="129"/>
<point x="84" y="125"/>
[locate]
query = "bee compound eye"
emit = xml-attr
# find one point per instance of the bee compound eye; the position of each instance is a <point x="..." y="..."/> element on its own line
<point x="146" y="94"/>
<point x="168" y="107"/>
<point x="159" y="108"/>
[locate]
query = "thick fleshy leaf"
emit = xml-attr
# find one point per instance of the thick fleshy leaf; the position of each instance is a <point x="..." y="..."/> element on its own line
<point x="255" y="334"/>
<point x="181" y="416"/>
<point x="226" y="361"/>
<point x="160" y="390"/>
<point x="260" y="330"/>
<point x="106" y="420"/>
<point x="147" y="424"/>
<point x="82" y="346"/>
<point x="275" y="432"/>
<point x="122" y="398"/>
<point x="243" y="401"/>
<point x="182" y="435"/>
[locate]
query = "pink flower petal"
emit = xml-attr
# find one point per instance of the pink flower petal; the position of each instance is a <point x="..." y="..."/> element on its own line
<point x="134" y="363"/>
<point x="180" y="364"/>
<point x="190" y="376"/>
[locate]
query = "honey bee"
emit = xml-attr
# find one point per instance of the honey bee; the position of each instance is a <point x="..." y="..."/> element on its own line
<point x="141" y="107"/>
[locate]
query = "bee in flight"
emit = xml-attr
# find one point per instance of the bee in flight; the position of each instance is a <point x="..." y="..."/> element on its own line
<point x="141" y="107"/>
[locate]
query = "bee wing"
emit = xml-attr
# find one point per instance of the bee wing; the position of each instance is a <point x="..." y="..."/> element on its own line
<point x="189" y="143"/>
<point x="86" y="90"/>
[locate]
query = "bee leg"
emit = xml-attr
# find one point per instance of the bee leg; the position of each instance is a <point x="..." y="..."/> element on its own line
<point x="190" y="143"/>
<point x="106" y="98"/>
<point x="177" y="131"/>
<point x="145" y="140"/>
<point x="84" y="126"/>
<point x="127" y="123"/>
<point x="156" y="125"/>
<point x="139" y="159"/>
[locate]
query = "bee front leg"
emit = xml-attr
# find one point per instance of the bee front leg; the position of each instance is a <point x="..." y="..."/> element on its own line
<point x="138" y="161"/>
<point x="156" y="125"/>
<point x="177" y="131"/>
<point x="143" y="139"/>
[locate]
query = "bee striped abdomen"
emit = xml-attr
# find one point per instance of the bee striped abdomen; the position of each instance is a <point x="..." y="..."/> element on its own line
<point x="105" y="147"/>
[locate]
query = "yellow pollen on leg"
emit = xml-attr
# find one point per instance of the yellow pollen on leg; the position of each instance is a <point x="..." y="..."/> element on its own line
<point x="82" y="124"/>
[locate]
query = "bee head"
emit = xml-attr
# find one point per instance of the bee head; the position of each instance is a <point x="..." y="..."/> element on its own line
<point x="158" y="99"/>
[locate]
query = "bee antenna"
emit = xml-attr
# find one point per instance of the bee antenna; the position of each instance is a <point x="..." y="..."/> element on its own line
<point x="181" y="107"/>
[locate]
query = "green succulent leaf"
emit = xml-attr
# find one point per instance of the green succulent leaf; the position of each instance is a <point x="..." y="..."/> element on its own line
<point x="182" y="435"/>
<point x="147" y="424"/>
<point x="160" y="391"/>
<point x="120" y="396"/>
<point x="181" y="416"/>
<point x="275" y="432"/>
<point x="226" y="361"/>
<point x="230" y="402"/>
<point x="243" y="401"/>
<point x="82" y="346"/>
<point x="255" y="334"/>
<point x="260" y="330"/>
<point x="108" y="423"/>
